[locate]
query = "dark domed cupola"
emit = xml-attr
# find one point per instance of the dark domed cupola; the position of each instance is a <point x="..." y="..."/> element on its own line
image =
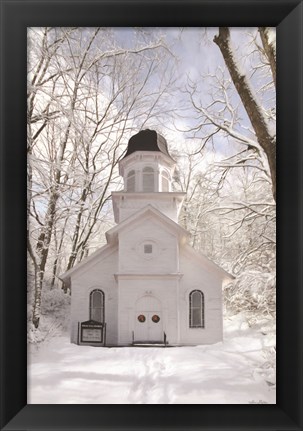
<point x="147" y="140"/>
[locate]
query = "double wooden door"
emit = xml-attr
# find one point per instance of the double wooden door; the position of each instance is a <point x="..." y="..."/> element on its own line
<point x="148" y="320"/>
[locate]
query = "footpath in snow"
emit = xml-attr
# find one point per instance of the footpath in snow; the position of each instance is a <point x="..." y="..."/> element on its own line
<point x="238" y="371"/>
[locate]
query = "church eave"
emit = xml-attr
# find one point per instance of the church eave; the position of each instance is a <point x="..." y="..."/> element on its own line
<point x="135" y="155"/>
<point x="176" y="197"/>
<point x="148" y="276"/>
<point x="100" y="252"/>
<point x="224" y="275"/>
<point x="142" y="195"/>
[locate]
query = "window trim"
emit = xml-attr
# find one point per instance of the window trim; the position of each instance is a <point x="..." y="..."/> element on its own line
<point x="102" y="308"/>
<point x="191" y="308"/>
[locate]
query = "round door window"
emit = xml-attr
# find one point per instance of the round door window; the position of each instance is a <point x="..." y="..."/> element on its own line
<point x="155" y="318"/>
<point x="141" y="318"/>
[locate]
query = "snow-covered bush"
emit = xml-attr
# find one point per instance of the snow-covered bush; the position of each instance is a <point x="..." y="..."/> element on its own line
<point x="55" y="301"/>
<point x="252" y="291"/>
<point x="55" y="316"/>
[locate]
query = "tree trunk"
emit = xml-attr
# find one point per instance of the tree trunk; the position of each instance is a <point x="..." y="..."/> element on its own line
<point x="74" y="252"/>
<point x="269" y="49"/>
<point x="266" y="139"/>
<point x="58" y="252"/>
<point x="37" y="299"/>
<point x="42" y="251"/>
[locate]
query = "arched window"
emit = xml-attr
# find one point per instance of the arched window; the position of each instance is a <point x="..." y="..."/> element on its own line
<point x="131" y="181"/>
<point x="196" y="309"/>
<point x="96" y="305"/>
<point x="148" y="179"/>
<point x="165" y="182"/>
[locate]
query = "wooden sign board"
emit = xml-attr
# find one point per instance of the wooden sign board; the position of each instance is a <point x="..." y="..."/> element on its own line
<point x="91" y="333"/>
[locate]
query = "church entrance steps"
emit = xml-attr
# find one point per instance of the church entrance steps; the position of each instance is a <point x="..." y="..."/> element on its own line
<point x="148" y="344"/>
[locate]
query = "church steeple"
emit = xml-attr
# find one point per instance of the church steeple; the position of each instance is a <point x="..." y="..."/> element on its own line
<point x="147" y="165"/>
<point x="147" y="169"/>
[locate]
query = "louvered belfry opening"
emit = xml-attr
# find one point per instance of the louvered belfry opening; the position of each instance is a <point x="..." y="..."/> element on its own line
<point x="148" y="179"/>
<point x="131" y="181"/>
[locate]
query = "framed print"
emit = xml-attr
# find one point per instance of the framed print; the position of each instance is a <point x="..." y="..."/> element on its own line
<point x="145" y="322"/>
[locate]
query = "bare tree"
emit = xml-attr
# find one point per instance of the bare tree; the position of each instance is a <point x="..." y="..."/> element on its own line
<point x="265" y="135"/>
<point x="231" y="213"/>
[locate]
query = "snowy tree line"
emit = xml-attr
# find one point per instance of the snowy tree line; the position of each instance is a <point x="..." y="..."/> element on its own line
<point x="90" y="90"/>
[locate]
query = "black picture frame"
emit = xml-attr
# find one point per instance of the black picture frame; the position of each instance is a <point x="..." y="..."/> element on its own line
<point x="16" y="16"/>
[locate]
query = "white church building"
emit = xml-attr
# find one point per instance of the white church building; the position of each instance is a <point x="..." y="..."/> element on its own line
<point x="147" y="285"/>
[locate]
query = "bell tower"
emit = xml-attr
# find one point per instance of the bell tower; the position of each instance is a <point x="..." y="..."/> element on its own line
<point x="147" y="169"/>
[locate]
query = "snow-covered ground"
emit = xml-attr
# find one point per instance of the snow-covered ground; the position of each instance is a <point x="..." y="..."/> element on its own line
<point x="238" y="371"/>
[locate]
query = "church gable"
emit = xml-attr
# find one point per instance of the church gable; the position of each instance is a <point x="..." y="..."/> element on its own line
<point x="148" y="246"/>
<point x="146" y="212"/>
